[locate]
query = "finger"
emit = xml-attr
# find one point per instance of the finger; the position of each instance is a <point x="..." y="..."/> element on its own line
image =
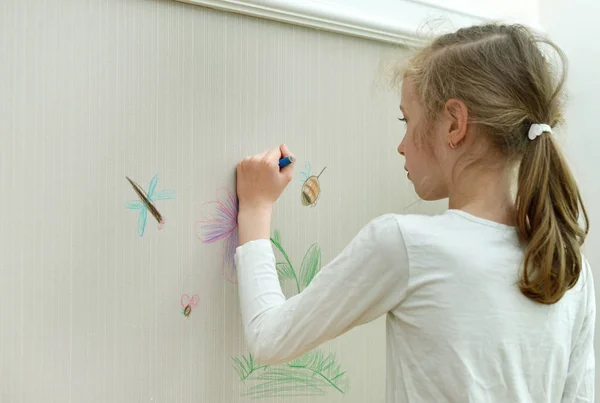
<point x="288" y="170"/>
<point x="273" y="155"/>
<point x="259" y="156"/>
<point x="285" y="152"/>
<point x="287" y="173"/>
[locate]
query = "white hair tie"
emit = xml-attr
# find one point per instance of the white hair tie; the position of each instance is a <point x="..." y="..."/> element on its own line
<point x="537" y="129"/>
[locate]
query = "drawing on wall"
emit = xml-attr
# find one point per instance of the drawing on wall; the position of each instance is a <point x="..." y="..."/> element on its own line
<point x="219" y="223"/>
<point x="311" y="263"/>
<point x="314" y="373"/>
<point x="311" y="188"/>
<point x="187" y="304"/>
<point x="146" y="203"/>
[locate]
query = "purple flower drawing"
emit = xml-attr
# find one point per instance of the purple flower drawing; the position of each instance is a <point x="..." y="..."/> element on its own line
<point x="219" y="223"/>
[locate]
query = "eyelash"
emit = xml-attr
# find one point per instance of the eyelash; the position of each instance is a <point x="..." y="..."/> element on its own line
<point x="403" y="120"/>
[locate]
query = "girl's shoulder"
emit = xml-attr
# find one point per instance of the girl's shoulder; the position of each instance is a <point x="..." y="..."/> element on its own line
<point x="446" y="228"/>
<point x="416" y="222"/>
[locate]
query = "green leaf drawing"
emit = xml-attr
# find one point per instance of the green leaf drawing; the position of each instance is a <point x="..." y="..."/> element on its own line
<point x="313" y="374"/>
<point x="310" y="264"/>
<point x="284" y="270"/>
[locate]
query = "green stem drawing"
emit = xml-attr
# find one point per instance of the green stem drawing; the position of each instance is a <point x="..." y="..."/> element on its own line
<point x="309" y="375"/>
<point x="287" y="259"/>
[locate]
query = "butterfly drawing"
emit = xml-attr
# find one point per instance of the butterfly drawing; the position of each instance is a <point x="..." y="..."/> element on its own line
<point x="146" y="203"/>
<point x="188" y="303"/>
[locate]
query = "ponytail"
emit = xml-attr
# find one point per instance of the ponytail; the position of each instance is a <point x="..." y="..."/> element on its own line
<point x="548" y="207"/>
<point x="506" y="76"/>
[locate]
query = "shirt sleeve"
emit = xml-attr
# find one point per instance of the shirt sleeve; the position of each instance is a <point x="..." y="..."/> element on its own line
<point x="366" y="280"/>
<point x="579" y="385"/>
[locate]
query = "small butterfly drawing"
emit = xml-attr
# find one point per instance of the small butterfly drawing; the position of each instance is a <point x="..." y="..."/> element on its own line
<point x="146" y="202"/>
<point x="188" y="303"/>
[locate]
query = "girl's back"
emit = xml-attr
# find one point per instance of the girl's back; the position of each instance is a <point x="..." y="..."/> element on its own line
<point x="464" y="331"/>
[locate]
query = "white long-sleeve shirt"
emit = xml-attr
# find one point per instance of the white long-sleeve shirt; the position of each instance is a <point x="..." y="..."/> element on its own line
<point x="458" y="328"/>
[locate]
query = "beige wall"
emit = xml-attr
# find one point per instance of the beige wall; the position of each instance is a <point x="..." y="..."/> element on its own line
<point x="573" y="26"/>
<point x="93" y="91"/>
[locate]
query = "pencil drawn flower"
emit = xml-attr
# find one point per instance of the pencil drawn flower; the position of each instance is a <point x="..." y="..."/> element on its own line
<point x="219" y="223"/>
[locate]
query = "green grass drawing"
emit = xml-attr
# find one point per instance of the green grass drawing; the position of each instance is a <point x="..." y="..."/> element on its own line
<point x="313" y="374"/>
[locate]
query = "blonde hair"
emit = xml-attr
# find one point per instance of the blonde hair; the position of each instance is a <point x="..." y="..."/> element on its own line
<point x="507" y="84"/>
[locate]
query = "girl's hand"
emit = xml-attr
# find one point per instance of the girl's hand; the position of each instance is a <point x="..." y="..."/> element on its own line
<point x="260" y="182"/>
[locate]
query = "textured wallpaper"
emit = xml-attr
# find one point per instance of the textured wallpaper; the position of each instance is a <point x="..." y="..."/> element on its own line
<point x="121" y="122"/>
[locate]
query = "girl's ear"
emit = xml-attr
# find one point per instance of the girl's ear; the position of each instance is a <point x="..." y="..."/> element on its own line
<point x="457" y="116"/>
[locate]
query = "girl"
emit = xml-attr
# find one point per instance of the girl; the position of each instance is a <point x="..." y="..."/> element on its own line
<point x="491" y="301"/>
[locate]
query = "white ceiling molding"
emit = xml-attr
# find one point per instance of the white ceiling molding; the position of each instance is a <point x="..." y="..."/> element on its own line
<point x="394" y="21"/>
<point x="435" y="4"/>
<point x="516" y="11"/>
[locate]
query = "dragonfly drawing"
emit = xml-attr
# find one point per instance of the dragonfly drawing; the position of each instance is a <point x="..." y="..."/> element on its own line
<point x="146" y="203"/>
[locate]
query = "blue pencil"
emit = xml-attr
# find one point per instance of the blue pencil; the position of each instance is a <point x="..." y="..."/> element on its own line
<point x="285" y="162"/>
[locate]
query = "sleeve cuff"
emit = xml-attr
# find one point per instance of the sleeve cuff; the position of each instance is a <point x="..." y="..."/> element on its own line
<point x="252" y="247"/>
